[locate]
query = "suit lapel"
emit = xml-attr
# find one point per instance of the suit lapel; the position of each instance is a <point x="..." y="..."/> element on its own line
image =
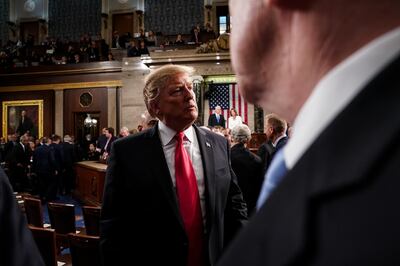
<point x="342" y="158"/>
<point x="207" y="156"/>
<point x="161" y="172"/>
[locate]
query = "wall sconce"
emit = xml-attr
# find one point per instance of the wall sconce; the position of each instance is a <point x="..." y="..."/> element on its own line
<point x="90" y="122"/>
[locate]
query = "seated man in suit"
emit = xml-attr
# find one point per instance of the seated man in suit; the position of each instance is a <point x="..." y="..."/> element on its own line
<point x="175" y="180"/>
<point x="332" y="67"/>
<point x="216" y="119"/>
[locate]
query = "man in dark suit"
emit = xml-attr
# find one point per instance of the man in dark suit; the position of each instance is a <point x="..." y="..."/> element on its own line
<point x="69" y="157"/>
<point x="171" y="197"/>
<point x="101" y="141"/>
<point x="337" y="203"/>
<point x="18" y="162"/>
<point x="216" y="119"/>
<point x="25" y="124"/>
<point x="275" y="130"/>
<point x="18" y="247"/>
<point x="45" y="167"/>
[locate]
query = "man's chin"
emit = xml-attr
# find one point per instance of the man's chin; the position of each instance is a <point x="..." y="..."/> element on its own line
<point x="251" y="93"/>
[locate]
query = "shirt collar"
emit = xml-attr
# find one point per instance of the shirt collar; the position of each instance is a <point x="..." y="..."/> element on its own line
<point x="167" y="134"/>
<point x="342" y="83"/>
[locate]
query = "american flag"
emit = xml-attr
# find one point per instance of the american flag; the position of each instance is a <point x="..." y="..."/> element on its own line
<point x="227" y="96"/>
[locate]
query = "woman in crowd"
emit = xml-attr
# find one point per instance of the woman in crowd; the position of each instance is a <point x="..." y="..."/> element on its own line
<point x="234" y="119"/>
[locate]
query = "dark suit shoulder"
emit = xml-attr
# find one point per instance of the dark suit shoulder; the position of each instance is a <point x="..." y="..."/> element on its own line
<point x="213" y="136"/>
<point x="134" y="138"/>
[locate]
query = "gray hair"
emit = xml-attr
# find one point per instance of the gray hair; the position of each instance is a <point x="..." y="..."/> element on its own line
<point x="148" y="120"/>
<point x="241" y="133"/>
<point x="158" y="79"/>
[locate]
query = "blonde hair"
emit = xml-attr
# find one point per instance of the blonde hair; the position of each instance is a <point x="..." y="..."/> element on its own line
<point x="158" y="79"/>
<point x="277" y="123"/>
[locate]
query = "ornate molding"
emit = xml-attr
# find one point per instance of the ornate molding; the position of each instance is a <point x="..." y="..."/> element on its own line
<point x="62" y="86"/>
<point x="220" y="79"/>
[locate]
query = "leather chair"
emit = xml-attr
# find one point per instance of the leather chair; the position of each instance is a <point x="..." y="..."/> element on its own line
<point x="91" y="216"/>
<point x="62" y="219"/>
<point x="45" y="239"/>
<point x="84" y="250"/>
<point x="33" y="211"/>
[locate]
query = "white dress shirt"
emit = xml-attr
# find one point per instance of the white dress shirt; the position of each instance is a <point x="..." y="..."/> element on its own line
<point x="192" y="147"/>
<point x="337" y="89"/>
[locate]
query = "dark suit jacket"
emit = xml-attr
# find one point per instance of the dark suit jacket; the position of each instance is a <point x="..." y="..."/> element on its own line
<point x="140" y="221"/>
<point x="212" y="121"/>
<point x="16" y="242"/>
<point x="44" y="161"/>
<point x="58" y="156"/>
<point x="266" y="151"/>
<point x="248" y="168"/>
<point x="339" y="204"/>
<point x="69" y="155"/>
<point x="101" y="141"/>
<point x="108" y="148"/>
<point x="281" y="143"/>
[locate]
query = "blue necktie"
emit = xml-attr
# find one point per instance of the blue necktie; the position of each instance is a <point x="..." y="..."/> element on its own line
<point x="273" y="177"/>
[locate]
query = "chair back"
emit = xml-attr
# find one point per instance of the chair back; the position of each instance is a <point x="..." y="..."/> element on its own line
<point x="45" y="239"/>
<point x="62" y="217"/>
<point x="84" y="250"/>
<point x="257" y="139"/>
<point x="91" y="216"/>
<point x="33" y="211"/>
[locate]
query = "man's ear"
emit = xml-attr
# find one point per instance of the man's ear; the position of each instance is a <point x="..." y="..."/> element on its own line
<point x="290" y="4"/>
<point x="154" y="109"/>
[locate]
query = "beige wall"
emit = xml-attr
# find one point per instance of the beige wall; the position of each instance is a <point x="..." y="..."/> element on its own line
<point x="59" y="112"/>
<point x="131" y="96"/>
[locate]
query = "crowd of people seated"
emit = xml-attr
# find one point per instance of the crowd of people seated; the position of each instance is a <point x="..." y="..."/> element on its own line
<point x="54" y="51"/>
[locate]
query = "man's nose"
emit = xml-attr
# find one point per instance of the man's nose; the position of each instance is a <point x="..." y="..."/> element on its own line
<point x="189" y="93"/>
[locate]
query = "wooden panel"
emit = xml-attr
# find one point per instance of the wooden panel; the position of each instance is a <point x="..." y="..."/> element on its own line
<point x="70" y="73"/>
<point x="31" y="27"/>
<point x="48" y="105"/>
<point x="89" y="183"/>
<point x="257" y="139"/>
<point x="123" y="23"/>
<point x="72" y="106"/>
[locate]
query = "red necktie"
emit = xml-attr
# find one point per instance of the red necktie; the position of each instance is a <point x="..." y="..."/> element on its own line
<point x="189" y="202"/>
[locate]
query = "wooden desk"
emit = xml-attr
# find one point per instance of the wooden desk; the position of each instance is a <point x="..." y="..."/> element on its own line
<point x="90" y="176"/>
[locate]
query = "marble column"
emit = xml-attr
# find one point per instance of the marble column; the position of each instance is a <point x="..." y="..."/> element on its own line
<point x="112" y="110"/>
<point x="59" y="113"/>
